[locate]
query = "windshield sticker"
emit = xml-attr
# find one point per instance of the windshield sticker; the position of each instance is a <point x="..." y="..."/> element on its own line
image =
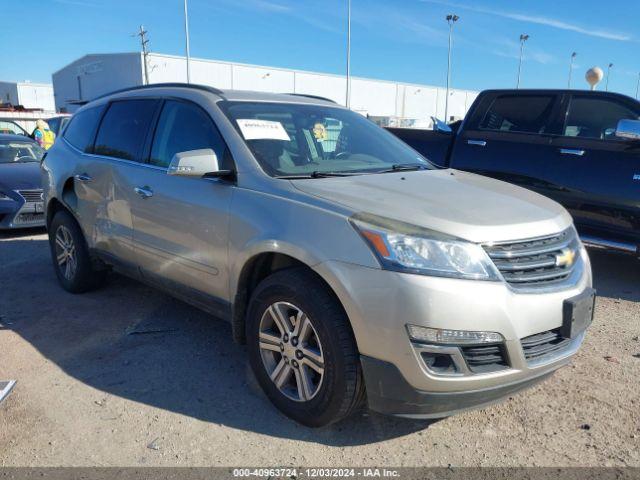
<point x="253" y="129"/>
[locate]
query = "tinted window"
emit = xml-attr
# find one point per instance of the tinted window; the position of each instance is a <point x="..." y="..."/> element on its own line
<point x="183" y="127"/>
<point x="124" y="127"/>
<point x="596" y="117"/>
<point x="83" y="128"/>
<point x="521" y="113"/>
<point x="54" y="124"/>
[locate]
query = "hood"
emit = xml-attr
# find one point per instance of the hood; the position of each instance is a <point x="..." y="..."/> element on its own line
<point x="461" y="204"/>
<point x="20" y="176"/>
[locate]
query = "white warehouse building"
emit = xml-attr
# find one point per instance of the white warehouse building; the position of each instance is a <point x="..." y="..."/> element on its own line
<point x="29" y="95"/>
<point x="394" y="102"/>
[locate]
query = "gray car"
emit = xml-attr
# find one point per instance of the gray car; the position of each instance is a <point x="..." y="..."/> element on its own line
<point x="354" y="270"/>
<point x="21" y="203"/>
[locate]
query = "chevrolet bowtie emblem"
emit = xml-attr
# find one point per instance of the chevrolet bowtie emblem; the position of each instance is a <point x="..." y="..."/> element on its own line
<point x="565" y="258"/>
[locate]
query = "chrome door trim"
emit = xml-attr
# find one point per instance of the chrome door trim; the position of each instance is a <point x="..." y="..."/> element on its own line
<point x="572" y="151"/>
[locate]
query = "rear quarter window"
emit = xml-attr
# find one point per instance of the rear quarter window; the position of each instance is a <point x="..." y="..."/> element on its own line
<point x="82" y="128"/>
<point x="519" y="113"/>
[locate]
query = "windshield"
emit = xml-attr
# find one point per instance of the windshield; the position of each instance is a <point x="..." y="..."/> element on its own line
<point x="15" y="151"/>
<point x="309" y="140"/>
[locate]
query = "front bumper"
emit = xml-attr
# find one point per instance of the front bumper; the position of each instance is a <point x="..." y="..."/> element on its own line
<point x="18" y="213"/>
<point x="390" y="394"/>
<point x="380" y="303"/>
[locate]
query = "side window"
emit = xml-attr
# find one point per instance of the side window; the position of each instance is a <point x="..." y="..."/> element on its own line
<point x="596" y="117"/>
<point x="11" y="128"/>
<point x="183" y="127"/>
<point x="519" y="113"/>
<point x="82" y="128"/>
<point x="123" y="129"/>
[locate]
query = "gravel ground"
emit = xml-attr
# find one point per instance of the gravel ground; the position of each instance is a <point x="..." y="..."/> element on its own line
<point x="126" y="376"/>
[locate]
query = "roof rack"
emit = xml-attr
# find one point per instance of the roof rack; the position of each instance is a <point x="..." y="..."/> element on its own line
<point x="169" y="84"/>
<point x="316" y="97"/>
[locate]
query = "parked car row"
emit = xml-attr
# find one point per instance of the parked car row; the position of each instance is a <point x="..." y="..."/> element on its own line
<point x="581" y="149"/>
<point x="354" y="269"/>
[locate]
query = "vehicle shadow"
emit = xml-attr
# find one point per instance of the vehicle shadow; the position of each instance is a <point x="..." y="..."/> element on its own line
<point x="134" y="342"/>
<point x="616" y="275"/>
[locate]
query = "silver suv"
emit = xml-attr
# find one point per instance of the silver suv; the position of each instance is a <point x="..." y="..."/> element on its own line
<point x="354" y="270"/>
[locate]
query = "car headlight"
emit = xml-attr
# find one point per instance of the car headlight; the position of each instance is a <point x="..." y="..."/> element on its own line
<point x="408" y="248"/>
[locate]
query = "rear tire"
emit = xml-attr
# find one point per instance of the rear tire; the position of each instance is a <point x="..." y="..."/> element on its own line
<point x="302" y="349"/>
<point x="71" y="260"/>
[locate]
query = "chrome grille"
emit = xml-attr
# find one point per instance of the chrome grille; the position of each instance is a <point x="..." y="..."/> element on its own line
<point x="536" y="262"/>
<point x="543" y="344"/>
<point x="31" y="195"/>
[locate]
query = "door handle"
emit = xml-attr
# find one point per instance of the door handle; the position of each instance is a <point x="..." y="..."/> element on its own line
<point x="571" y="151"/>
<point x="144" y="192"/>
<point x="478" y="143"/>
<point x="83" y="177"/>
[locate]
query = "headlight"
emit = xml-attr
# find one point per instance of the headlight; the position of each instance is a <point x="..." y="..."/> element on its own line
<point x="407" y="248"/>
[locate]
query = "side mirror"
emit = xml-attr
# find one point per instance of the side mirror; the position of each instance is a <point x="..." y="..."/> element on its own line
<point x="440" y="126"/>
<point x="196" y="163"/>
<point x="629" y="129"/>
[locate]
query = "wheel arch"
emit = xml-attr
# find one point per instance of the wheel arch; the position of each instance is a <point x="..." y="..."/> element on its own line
<point x="255" y="269"/>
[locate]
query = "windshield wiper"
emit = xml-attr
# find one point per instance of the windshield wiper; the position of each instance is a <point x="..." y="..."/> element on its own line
<point x="404" y="167"/>
<point x="317" y="174"/>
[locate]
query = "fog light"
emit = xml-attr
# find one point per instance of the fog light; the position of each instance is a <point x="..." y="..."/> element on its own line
<point x="439" y="362"/>
<point x="452" y="337"/>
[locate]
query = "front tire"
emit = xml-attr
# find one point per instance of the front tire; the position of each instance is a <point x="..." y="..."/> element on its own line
<point x="71" y="260"/>
<point x="302" y="349"/>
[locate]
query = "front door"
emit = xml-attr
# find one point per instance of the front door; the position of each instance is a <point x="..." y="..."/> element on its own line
<point x="512" y="141"/>
<point x="181" y="223"/>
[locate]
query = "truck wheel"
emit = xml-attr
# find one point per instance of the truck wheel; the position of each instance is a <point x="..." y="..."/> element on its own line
<point x="302" y="349"/>
<point x="70" y="255"/>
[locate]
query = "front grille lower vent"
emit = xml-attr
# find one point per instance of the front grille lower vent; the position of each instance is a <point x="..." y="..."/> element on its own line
<point x="543" y="344"/>
<point x="537" y="262"/>
<point x="31" y="195"/>
<point x="485" y="358"/>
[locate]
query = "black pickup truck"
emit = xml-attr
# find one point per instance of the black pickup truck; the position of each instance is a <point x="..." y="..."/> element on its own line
<point x="580" y="148"/>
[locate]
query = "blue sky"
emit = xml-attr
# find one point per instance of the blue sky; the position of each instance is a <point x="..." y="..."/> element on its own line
<point x="402" y="40"/>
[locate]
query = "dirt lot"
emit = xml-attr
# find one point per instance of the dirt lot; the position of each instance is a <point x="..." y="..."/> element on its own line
<point x="126" y="376"/>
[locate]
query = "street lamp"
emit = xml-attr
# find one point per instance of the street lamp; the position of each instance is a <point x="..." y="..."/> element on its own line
<point x="348" y="96"/>
<point x="573" y="55"/>
<point x="451" y="19"/>
<point x="186" y="37"/>
<point x="606" y="85"/>
<point x="638" y="86"/>
<point x="523" y="38"/>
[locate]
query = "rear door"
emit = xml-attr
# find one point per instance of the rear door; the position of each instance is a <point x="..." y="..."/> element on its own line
<point x="117" y="156"/>
<point x="598" y="171"/>
<point x="508" y="137"/>
<point x="181" y="223"/>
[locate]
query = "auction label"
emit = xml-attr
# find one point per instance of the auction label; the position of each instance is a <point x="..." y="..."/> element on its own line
<point x="253" y="129"/>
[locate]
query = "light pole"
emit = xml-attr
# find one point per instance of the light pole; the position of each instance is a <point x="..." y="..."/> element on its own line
<point x="186" y="36"/>
<point x="573" y="55"/>
<point x="638" y="87"/>
<point x="451" y="19"/>
<point x="523" y="38"/>
<point x="348" y="96"/>
<point x="606" y="85"/>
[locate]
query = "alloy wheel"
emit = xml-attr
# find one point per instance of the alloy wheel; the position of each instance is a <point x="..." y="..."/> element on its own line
<point x="291" y="351"/>
<point x="66" y="252"/>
